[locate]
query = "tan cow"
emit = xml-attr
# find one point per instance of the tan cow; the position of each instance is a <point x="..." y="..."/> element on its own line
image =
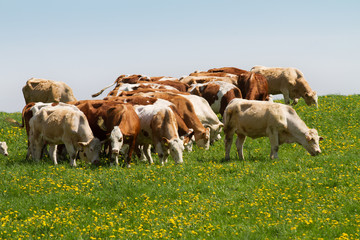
<point x="288" y="81"/>
<point x="257" y="119"/>
<point x="42" y="90"/>
<point x="67" y="125"/>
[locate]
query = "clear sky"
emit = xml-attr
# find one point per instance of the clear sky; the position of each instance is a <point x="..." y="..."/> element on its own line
<point x="88" y="44"/>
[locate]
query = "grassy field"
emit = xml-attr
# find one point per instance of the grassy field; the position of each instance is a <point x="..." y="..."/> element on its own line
<point x="294" y="197"/>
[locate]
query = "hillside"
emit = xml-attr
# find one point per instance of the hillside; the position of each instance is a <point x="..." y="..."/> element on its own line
<point x="294" y="197"/>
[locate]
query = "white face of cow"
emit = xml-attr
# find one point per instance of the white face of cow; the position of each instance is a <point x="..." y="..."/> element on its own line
<point x="312" y="142"/>
<point x="3" y="148"/>
<point x="92" y="150"/>
<point x="117" y="140"/>
<point x="176" y="147"/>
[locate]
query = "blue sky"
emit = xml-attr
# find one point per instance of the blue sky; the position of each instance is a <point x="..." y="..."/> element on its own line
<point x="88" y="44"/>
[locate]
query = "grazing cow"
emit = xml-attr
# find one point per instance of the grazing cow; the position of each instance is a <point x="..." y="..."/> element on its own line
<point x="186" y="111"/>
<point x="159" y="128"/>
<point x="28" y="112"/>
<point x="257" y="119"/>
<point x="290" y="82"/>
<point x="42" y="90"/>
<point x="218" y="94"/>
<point x="3" y="148"/>
<point x="115" y="121"/>
<point x="206" y="116"/>
<point x="62" y="125"/>
<point x="253" y="86"/>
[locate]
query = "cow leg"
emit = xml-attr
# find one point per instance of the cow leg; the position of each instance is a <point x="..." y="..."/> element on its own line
<point x="285" y="92"/>
<point x="147" y="152"/>
<point x="274" y="142"/>
<point x="228" y="142"/>
<point x="72" y="154"/>
<point x="239" y="145"/>
<point x="160" y="152"/>
<point x="53" y="153"/>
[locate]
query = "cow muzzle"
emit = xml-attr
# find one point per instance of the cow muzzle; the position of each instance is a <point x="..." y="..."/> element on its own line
<point x="115" y="151"/>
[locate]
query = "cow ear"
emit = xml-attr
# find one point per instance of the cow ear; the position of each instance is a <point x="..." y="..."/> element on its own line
<point x="308" y="137"/>
<point x="165" y="141"/>
<point x="101" y="124"/>
<point x="321" y="138"/>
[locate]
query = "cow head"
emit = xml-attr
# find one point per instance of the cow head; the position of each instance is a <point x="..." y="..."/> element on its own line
<point x="203" y="139"/>
<point x="91" y="149"/>
<point x="312" y="142"/>
<point x="176" y="147"/>
<point x="117" y="140"/>
<point x="3" y="148"/>
<point x="311" y="98"/>
<point x="188" y="140"/>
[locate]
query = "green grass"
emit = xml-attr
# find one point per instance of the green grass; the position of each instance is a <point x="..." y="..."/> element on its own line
<point x="294" y="197"/>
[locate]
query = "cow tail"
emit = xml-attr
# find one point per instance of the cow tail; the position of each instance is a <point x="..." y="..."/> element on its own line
<point x="102" y="90"/>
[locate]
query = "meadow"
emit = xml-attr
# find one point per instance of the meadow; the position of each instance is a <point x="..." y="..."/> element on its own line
<point x="294" y="197"/>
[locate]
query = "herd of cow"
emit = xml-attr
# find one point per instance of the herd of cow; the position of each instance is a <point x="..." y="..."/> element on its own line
<point x="168" y="114"/>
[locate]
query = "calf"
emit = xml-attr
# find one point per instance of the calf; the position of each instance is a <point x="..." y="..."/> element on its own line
<point x="257" y="119"/>
<point x="62" y="125"/>
<point x="3" y="148"/>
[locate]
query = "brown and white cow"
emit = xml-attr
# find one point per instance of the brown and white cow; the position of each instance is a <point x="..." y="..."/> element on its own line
<point x="253" y="86"/>
<point x="3" y="149"/>
<point x="187" y="112"/>
<point x="47" y="91"/>
<point x="218" y="94"/>
<point x="159" y="128"/>
<point x="288" y="81"/>
<point x="277" y="121"/>
<point x="55" y="125"/>
<point x="112" y="121"/>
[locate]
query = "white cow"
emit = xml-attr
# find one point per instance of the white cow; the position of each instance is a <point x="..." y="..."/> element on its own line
<point x="206" y="116"/>
<point x="288" y="81"/>
<point x="159" y="128"/>
<point x="257" y="119"/>
<point x="62" y="125"/>
<point x="3" y="148"/>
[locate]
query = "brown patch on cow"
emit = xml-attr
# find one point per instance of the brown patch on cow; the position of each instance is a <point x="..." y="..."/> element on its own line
<point x="230" y="95"/>
<point x="209" y="92"/>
